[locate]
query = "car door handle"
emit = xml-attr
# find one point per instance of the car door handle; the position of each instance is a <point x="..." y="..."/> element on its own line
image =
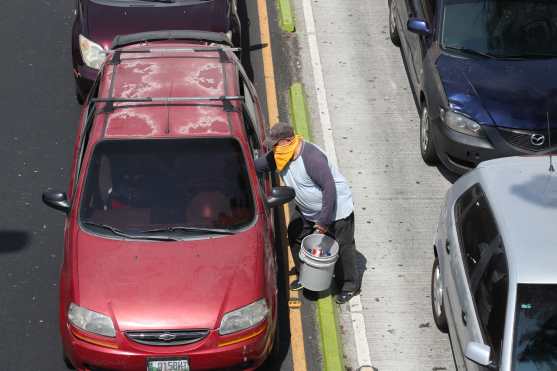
<point x="448" y="247"/>
<point x="464" y="321"/>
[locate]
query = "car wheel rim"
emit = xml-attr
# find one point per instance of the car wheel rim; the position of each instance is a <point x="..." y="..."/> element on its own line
<point x="424" y="130"/>
<point x="392" y="19"/>
<point x="437" y="291"/>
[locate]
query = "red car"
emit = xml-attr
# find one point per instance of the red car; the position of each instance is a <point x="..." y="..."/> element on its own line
<point x="97" y="22"/>
<point x="169" y="260"/>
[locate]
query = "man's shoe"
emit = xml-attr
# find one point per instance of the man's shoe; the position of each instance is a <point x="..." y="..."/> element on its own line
<point x="345" y="296"/>
<point x="296" y="286"/>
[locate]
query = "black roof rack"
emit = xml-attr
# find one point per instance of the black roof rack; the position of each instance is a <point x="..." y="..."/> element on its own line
<point x="122" y="40"/>
<point x="215" y="37"/>
<point x="225" y="99"/>
<point x="116" y="53"/>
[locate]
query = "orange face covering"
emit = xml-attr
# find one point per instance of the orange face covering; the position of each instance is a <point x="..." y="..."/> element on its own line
<point x="284" y="153"/>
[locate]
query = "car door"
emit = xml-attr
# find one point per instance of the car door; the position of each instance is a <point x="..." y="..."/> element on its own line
<point x="418" y="44"/>
<point x="403" y="9"/>
<point x="472" y="230"/>
<point x="254" y="126"/>
<point x="453" y="270"/>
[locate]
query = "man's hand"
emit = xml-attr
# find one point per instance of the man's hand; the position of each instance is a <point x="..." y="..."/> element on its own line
<point x="319" y="229"/>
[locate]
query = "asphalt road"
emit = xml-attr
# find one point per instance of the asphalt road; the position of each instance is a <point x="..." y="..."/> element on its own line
<point x="40" y="115"/>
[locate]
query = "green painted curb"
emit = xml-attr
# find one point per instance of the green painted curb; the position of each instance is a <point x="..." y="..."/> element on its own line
<point x="299" y="110"/>
<point x="331" y="345"/>
<point x="286" y="16"/>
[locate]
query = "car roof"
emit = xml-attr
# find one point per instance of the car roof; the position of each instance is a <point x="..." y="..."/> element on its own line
<point x="167" y="74"/>
<point x="522" y="193"/>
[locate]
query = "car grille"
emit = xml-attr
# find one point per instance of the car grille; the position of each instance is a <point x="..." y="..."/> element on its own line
<point x="167" y="338"/>
<point x="523" y="139"/>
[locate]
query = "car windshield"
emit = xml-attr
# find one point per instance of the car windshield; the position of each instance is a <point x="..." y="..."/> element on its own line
<point x="501" y="28"/>
<point x="535" y="342"/>
<point x="135" y="187"/>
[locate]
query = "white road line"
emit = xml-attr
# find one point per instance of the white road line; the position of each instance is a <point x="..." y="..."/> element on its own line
<point x="355" y="305"/>
<point x="320" y="92"/>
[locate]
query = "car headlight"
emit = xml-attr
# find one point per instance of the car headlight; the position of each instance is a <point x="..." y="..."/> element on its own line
<point x="243" y="318"/>
<point x="88" y="320"/>
<point x="461" y="123"/>
<point x="92" y="53"/>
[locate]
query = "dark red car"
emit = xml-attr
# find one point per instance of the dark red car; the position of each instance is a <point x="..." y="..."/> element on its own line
<point x="97" y="22"/>
<point x="169" y="257"/>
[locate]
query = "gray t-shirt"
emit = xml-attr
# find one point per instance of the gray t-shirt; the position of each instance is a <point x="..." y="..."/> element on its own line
<point x="322" y="193"/>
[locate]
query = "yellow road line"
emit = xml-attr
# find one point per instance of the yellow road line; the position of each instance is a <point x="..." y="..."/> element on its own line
<point x="296" y="331"/>
<point x="268" y="69"/>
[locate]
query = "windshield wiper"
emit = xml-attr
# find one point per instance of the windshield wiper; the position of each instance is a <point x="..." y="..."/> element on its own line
<point x="472" y="51"/>
<point x="118" y="232"/>
<point x="190" y="230"/>
<point x="529" y="56"/>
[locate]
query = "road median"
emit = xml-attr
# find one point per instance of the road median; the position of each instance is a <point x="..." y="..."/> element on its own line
<point x="331" y="345"/>
<point x="286" y="16"/>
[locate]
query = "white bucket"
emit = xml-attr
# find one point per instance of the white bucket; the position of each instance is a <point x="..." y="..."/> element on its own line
<point x="316" y="272"/>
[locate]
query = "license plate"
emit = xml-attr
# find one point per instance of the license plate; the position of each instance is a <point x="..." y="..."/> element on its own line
<point x="168" y="365"/>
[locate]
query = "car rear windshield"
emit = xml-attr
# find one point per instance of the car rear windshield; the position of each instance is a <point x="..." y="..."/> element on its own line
<point x="134" y="186"/>
<point x="535" y="338"/>
<point x="501" y="28"/>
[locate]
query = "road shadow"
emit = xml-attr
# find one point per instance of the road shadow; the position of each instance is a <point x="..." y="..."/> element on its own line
<point x="279" y="355"/>
<point x="446" y="173"/>
<point x="245" y="55"/>
<point x="13" y="240"/>
<point x="294" y="229"/>
<point x="361" y="266"/>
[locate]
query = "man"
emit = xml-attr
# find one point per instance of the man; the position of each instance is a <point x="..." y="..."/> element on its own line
<point x="323" y="199"/>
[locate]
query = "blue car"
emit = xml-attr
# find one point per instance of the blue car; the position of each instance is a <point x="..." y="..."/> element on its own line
<point x="484" y="76"/>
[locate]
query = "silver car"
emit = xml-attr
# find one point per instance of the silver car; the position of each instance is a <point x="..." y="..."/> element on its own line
<point x="494" y="279"/>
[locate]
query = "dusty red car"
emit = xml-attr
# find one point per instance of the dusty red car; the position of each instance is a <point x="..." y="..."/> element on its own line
<point x="169" y="260"/>
<point x="97" y="22"/>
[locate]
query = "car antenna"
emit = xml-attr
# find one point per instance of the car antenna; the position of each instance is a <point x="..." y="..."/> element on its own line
<point x="551" y="168"/>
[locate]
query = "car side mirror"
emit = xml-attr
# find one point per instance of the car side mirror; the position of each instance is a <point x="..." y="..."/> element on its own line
<point x="280" y="195"/>
<point x="57" y="200"/>
<point x="478" y="353"/>
<point x="418" y="26"/>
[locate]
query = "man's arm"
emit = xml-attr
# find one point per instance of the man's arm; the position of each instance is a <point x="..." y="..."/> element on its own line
<point x="265" y="164"/>
<point x="317" y="167"/>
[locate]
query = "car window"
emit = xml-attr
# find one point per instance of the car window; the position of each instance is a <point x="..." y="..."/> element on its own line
<point x="251" y="132"/>
<point x="503" y="28"/>
<point x="535" y="334"/>
<point x="489" y="286"/>
<point x="484" y="262"/>
<point x="475" y="225"/>
<point x="137" y="185"/>
<point x="249" y="103"/>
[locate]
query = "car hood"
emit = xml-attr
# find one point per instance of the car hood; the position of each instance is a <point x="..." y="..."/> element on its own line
<point x="508" y="93"/>
<point x="105" y="21"/>
<point x="167" y="285"/>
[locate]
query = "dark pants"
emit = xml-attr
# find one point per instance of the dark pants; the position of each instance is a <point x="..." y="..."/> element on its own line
<point x="342" y="230"/>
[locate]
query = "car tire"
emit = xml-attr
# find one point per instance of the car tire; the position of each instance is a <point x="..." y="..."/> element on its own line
<point x="68" y="363"/>
<point x="274" y="355"/>
<point x="427" y="145"/>
<point x="79" y="97"/>
<point x="437" y="301"/>
<point x="393" y="30"/>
